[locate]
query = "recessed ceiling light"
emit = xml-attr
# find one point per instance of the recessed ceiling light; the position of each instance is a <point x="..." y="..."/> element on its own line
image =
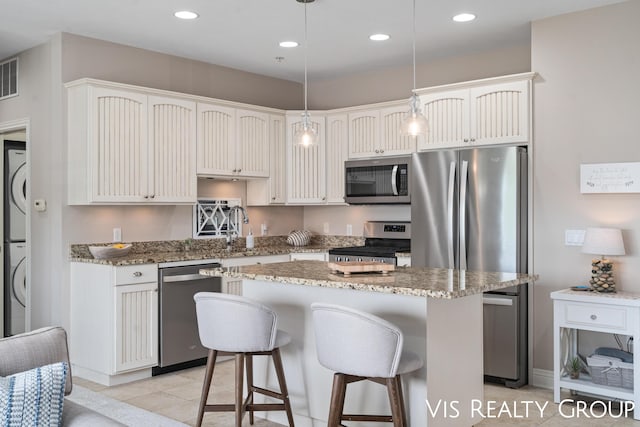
<point x="379" y="37"/>
<point x="185" y="14"/>
<point x="288" y="44"/>
<point x="464" y="17"/>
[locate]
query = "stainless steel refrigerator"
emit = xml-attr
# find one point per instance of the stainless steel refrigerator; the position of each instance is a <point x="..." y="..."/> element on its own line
<point x="469" y="211"/>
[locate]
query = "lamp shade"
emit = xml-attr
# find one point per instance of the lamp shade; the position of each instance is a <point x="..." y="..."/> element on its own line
<point x="603" y="241"/>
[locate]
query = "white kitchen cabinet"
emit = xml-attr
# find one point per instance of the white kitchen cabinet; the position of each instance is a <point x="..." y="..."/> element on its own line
<point x="337" y="153"/>
<point x="497" y="113"/>
<point x="234" y="286"/>
<point x="306" y="180"/>
<point x="272" y="191"/>
<point x="592" y="311"/>
<point x="376" y="132"/>
<point x="129" y="146"/>
<point x="232" y="142"/>
<point x="114" y="321"/>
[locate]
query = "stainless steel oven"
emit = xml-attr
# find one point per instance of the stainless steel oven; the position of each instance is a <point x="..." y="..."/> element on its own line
<point x="382" y="240"/>
<point x="179" y="340"/>
<point x="382" y="180"/>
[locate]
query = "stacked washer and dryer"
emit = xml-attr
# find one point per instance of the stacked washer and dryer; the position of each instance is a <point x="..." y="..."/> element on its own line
<point x="15" y="249"/>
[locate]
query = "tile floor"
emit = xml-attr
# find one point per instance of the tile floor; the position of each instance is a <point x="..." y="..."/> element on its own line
<point x="176" y="395"/>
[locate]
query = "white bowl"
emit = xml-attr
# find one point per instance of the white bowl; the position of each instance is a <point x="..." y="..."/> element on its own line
<point x="103" y="252"/>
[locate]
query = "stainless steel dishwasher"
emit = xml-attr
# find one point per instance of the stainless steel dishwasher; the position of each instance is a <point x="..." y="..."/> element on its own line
<point x="178" y="327"/>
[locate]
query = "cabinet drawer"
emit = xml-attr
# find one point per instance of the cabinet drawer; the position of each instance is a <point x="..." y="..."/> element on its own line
<point x="597" y="316"/>
<point x="132" y="274"/>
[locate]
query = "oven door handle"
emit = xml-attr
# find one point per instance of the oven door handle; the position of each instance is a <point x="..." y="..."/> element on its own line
<point x="184" y="278"/>
<point x="394" y="178"/>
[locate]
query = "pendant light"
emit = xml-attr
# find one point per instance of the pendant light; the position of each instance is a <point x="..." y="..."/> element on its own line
<point x="414" y="124"/>
<point x="305" y="135"/>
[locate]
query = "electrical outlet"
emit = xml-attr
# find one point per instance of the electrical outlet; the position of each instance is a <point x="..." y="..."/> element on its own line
<point x="263" y="229"/>
<point x="349" y="230"/>
<point x="325" y="228"/>
<point x="117" y="234"/>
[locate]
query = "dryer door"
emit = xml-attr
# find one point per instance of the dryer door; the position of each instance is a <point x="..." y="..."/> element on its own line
<point x="18" y="203"/>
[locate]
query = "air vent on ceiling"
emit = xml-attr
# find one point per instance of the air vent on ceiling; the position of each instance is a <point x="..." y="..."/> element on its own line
<point x="9" y="78"/>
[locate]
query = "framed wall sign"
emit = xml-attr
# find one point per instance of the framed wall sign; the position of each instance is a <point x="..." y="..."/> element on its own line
<point x="610" y="178"/>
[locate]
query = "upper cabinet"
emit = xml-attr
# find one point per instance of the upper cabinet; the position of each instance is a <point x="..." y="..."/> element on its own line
<point x="232" y="142"/>
<point x="497" y="113"/>
<point x="306" y="166"/>
<point x="376" y="132"/>
<point x="337" y="152"/>
<point x="272" y="191"/>
<point x="126" y="146"/>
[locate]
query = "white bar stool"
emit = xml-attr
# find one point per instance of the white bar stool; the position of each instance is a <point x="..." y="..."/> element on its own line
<point x="231" y="324"/>
<point x="360" y="346"/>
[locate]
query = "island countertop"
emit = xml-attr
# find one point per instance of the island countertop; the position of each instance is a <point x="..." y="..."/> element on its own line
<point x="424" y="282"/>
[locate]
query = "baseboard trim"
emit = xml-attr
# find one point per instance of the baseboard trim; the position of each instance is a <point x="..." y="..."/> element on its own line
<point x="542" y="378"/>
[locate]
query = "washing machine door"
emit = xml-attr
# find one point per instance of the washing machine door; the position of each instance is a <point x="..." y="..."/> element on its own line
<point x="18" y="203"/>
<point x="19" y="283"/>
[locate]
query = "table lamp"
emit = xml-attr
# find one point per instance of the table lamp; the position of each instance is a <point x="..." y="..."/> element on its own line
<point x="603" y="241"/>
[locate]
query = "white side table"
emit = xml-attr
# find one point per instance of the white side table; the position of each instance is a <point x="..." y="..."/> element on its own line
<point x="617" y="313"/>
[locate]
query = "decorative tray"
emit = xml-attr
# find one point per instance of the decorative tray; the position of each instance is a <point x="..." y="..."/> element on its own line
<point x="348" y="267"/>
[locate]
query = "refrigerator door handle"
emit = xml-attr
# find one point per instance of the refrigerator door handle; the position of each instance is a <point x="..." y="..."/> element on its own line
<point x="463" y="214"/>
<point x="450" y="225"/>
<point x="394" y="177"/>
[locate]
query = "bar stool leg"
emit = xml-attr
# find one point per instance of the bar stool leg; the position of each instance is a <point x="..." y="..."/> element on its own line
<point x="239" y="387"/>
<point x="337" y="400"/>
<point x="277" y="362"/>
<point x="249" y="363"/>
<point x="206" y="385"/>
<point x="394" y="388"/>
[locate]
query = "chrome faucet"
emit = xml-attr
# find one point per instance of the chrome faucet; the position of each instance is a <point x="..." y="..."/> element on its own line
<point x="245" y="218"/>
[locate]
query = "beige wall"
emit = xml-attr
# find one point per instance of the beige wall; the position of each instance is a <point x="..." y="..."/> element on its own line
<point x="396" y="83"/>
<point x="586" y="110"/>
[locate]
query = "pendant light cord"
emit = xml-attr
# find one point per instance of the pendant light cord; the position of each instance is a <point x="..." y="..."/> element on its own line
<point x="305" y="58"/>
<point x="414" y="46"/>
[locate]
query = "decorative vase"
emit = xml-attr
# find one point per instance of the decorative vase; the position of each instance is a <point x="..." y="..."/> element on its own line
<point x="602" y="276"/>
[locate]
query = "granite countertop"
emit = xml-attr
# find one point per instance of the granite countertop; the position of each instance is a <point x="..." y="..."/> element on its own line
<point x="156" y="252"/>
<point x="422" y="282"/>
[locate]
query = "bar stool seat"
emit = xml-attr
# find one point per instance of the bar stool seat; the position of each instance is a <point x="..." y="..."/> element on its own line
<point x="360" y="346"/>
<point x="231" y="324"/>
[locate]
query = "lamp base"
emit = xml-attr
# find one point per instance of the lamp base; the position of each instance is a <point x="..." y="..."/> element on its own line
<point x="602" y="276"/>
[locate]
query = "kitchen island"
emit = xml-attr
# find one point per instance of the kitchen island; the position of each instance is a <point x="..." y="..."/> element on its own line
<point x="438" y="310"/>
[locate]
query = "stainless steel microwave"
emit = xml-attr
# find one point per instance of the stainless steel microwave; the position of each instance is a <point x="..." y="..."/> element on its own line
<point x="382" y="180"/>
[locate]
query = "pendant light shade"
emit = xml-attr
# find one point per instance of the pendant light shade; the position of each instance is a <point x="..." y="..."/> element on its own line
<point x="414" y="123"/>
<point x="306" y="135"/>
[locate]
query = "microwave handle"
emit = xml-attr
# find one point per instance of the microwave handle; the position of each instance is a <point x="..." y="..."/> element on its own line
<point x="394" y="176"/>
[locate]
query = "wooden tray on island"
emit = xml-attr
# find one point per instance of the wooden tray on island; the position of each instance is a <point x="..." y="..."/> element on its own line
<point x="348" y="267"/>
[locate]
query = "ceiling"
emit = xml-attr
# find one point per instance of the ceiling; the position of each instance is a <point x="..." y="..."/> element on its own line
<point x="244" y="34"/>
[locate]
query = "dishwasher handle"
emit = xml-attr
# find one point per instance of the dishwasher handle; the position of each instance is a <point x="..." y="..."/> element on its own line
<point x="497" y="301"/>
<point x="184" y="278"/>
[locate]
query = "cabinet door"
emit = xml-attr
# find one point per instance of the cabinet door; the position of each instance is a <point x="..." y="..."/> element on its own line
<point x="337" y="152"/>
<point x="172" y="151"/>
<point x="136" y="322"/>
<point x="252" y="144"/>
<point x="391" y="141"/>
<point x="306" y="183"/>
<point x="277" y="160"/>
<point x="216" y="139"/>
<point x="364" y="134"/>
<point x="447" y="116"/>
<point x="500" y="113"/>
<point x="118" y="146"/>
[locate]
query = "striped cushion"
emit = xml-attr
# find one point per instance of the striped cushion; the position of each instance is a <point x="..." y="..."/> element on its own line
<point x="33" y="398"/>
<point x="299" y="238"/>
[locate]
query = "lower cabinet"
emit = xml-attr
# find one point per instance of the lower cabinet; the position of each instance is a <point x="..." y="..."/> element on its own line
<point x="234" y="286"/>
<point x="114" y="322"/>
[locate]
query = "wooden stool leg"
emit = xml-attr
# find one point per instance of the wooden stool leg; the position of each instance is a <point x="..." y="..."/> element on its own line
<point x="249" y="363"/>
<point x="277" y="362"/>
<point x="206" y="385"/>
<point x="394" y="388"/>
<point x="239" y="388"/>
<point x="337" y="400"/>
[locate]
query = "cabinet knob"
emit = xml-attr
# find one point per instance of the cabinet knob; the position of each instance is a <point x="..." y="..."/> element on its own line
<point x="146" y="197"/>
<point x="152" y="196"/>
<point x="239" y="170"/>
<point x="235" y="170"/>
<point x="594" y="317"/>
<point x="137" y="274"/>
<point x="473" y="139"/>
<point x="382" y="151"/>
<point x="324" y="198"/>
<point x="465" y="140"/>
<point x="273" y="198"/>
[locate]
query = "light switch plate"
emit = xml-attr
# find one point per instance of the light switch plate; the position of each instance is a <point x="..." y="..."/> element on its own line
<point x="574" y="237"/>
<point x="325" y="228"/>
<point x="117" y="234"/>
<point x="349" y="230"/>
